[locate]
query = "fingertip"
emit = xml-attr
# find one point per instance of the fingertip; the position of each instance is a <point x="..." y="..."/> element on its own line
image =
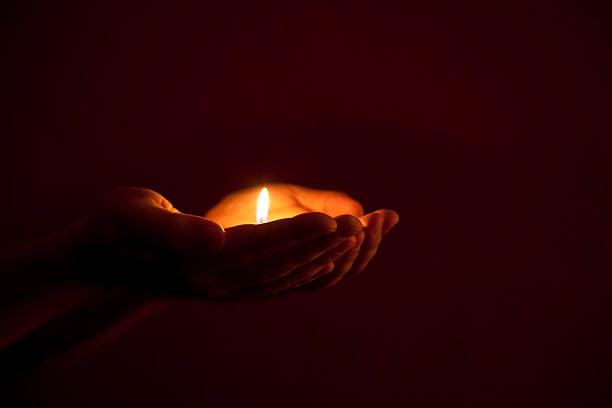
<point x="197" y="235"/>
<point x="390" y="215"/>
<point x="212" y="236"/>
<point x="316" y="222"/>
<point x="373" y="221"/>
<point x="391" y="218"/>
<point x="348" y="225"/>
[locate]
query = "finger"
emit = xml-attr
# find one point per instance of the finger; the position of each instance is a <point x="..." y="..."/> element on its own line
<point x="272" y="268"/>
<point x="391" y="219"/>
<point x="284" y="263"/>
<point x="323" y="265"/>
<point x="374" y="222"/>
<point x="342" y="266"/>
<point x="348" y="225"/>
<point x="307" y="271"/>
<point x="148" y="224"/>
<point x="279" y="234"/>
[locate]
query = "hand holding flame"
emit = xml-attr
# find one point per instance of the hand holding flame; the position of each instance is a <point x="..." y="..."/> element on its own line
<point x="361" y="235"/>
<point x="312" y="239"/>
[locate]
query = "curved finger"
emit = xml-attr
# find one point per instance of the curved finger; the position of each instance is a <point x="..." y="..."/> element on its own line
<point x="391" y="220"/>
<point x="296" y="256"/>
<point x="268" y="268"/>
<point x="321" y="266"/>
<point x="348" y="225"/>
<point x="342" y="266"/>
<point x="147" y="224"/>
<point x="307" y="271"/>
<point x="277" y="235"/>
<point x="374" y="223"/>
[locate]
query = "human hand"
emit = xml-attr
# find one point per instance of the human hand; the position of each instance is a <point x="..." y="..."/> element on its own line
<point x="138" y="237"/>
<point x="288" y="200"/>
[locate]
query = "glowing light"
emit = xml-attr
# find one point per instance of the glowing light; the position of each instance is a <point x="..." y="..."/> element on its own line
<point x="263" y="204"/>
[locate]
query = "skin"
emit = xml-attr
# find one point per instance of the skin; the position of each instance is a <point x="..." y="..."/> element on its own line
<point x="363" y="233"/>
<point x="141" y="247"/>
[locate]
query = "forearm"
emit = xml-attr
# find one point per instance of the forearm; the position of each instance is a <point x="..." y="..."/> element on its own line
<point x="50" y="312"/>
<point x="37" y="282"/>
<point x="39" y="262"/>
<point x="81" y="329"/>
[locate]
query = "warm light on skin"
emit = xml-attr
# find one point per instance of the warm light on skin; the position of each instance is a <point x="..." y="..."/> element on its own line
<point x="285" y="201"/>
<point x="263" y="204"/>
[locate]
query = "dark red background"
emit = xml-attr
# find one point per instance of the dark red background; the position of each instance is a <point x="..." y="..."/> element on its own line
<point x="486" y="126"/>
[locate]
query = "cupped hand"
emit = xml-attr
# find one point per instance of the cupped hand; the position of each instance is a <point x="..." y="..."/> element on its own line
<point x="314" y="239"/>
<point x="267" y="259"/>
<point x="287" y="200"/>
<point x="138" y="237"/>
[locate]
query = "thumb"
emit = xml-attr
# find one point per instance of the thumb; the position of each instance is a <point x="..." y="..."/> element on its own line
<point x="173" y="231"/>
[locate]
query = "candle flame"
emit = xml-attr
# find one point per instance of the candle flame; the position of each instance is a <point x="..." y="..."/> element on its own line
<point x="263" y="204"/>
